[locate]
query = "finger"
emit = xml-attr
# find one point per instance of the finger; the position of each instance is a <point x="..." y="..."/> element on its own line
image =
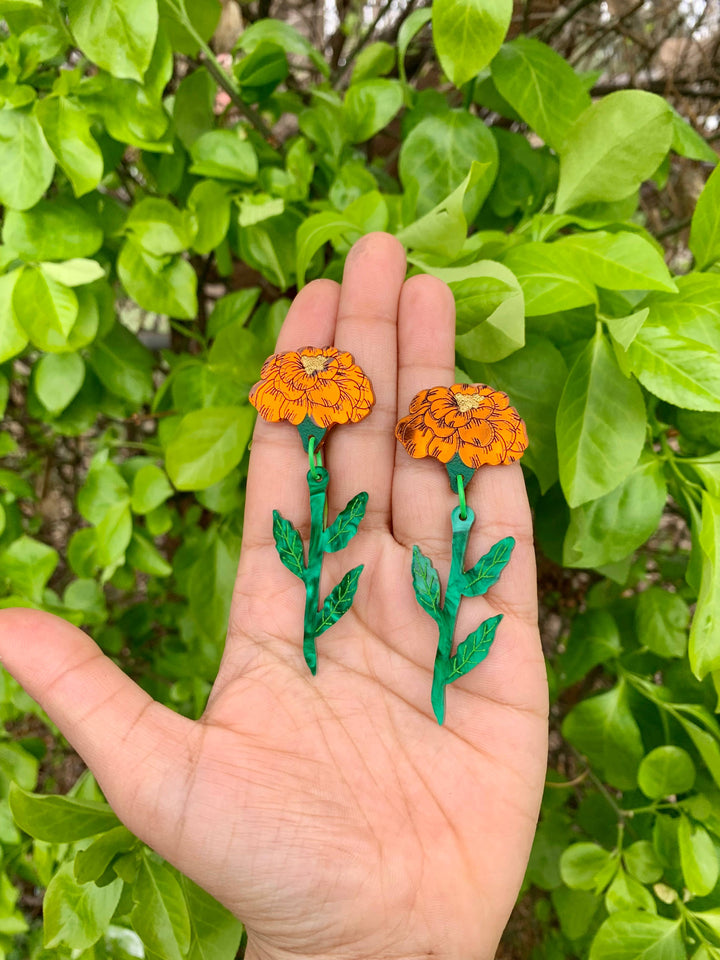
<point x="137" y="749"/>
<point x="422" y="499"/>
<point x="361" y="457"/>
<point x="278" y="464"/>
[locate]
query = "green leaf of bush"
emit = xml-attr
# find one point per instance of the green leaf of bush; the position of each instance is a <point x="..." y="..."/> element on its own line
<point x="664" y="771"/>
<point x="77" y="915"/>
<point x="207" y="445"/>
<point x="58" y="819"/>
<point x="705" y="228"/>
<point x="118" y="35"/>
<point x="600" y="424"/>
<point x="613" y="146"/>
<point x="468" y="34"/>
<point x="541" y="86"/>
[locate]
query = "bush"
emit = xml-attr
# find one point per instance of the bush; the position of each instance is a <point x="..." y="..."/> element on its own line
<point x="161" y="209"/>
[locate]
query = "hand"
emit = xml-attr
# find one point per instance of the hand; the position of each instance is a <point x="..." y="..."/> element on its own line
<point x="332" y="814"/>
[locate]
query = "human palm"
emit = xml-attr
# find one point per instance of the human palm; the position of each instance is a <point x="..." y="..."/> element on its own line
<point x="331" y="813"/>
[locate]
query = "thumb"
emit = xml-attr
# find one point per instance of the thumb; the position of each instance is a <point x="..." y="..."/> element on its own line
<point x="138" y="750"/>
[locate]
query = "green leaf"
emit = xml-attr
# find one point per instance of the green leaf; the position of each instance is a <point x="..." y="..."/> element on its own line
<point x="224" y="155"/>
<point x="27" y="565"/>
<point x="289" y="545"/>
<point x="143" y="555"/>
<point x="486" y="572"/>
<point x="600" y="424"/>
<point x="285" y="36"/>
<point x="661" y="620"/>
<point x="13" y="338"/>
<point x="203" y="18"/>
<point x="150" y="488"/>
<point x="704" y="647"/>
<point x="683" y="371"/>
<point x="159" y="227"/>
<point x="214" y="932"/>
<point x="623" y="330"/>
<point x="238" y="355"/>
<point x="664" y="771"/>
<point x="705" y="229"/>
<point x="58" y="378"/>
<point x="489" y="306"/>
<point x="444" y="229"/>
<point x="338" y="601"/>
<point x="541" y="86"/>
<point x="632" y="511"/>
<point x="193" y="112"/>
<point x="209" y="201"/>
<point x="435" y="158"/>
<point x="46" y="308"/>
<point x="211" y="581"/>
<point x="234" y="307"/>
<point x="534" y="377"/>
<point x="642" y="862"/>
<point x="113" y="535"/>
<point x="59" y="819"/>
<point x="594" y="638"/>
<point x="67" y="130"/>
<point x="687" y="142"/>
<point x="77" y="915"/>
<point x="92" y="862"/>
<point x="616" y="144"/>
<point x="426" y="584"/>
<point x="123" y="365"/>
<point x="638" y="935"/>
<point x="104" y="486"/>
<point x="575" y="910"/>
<point x="369" y="106"/>
<point x="344" y="527"/>
<point x="57" y="229"/>
<point x="410" y="27"/>
<point x="698" y="857"/>
<point x="256" y="207"/>
<point x="314" y="232"/>
<point x="625" y="893"/>
<point x="87" y="597"/>
<point x="474" y="648"/>
<point x="580" y="864"/>
<point x="376" y="60"/>
<point x="26" y="161"/>
<point x="604" y="729"/>
<point x="73" y="273"/>
<point x="550" y="278"/>
<point x="468" y="34"/>
<point x="160" y="915"/>
<point x="207" y="445"/>
<point x="618" y="261"/>
<point x="164" y="285"/>
<point x="118" y="35"/>
<point x="262" y="70"/>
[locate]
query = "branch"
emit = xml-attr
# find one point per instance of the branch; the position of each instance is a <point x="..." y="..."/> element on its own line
<point x="362" y="42"/>
<point x="658" y="86"/>
<point x="548" y="30"/>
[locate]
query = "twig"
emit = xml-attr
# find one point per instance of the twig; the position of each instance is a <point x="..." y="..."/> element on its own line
<point x="548" y="30"/>
<point x="339" y="74"/>
<point x="673" y="228"/>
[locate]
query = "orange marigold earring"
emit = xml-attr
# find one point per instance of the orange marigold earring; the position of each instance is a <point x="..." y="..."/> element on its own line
<point x="464" y="427"/>
<point x="315" y="388"/>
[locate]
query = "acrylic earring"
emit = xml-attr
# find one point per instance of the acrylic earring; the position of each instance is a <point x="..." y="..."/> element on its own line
<point x="464" y="427"/>
<point x="315" y="388"/>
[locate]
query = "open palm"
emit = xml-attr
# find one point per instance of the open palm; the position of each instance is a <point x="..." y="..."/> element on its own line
<point x="331" y="813"/>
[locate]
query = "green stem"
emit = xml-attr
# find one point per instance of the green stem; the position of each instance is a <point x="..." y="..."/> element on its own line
<point x="221" y="77"/>
<point x="453" y="595"/>
<point x="317" y="485"/>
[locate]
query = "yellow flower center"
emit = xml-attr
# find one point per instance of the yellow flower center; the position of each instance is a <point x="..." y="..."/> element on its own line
<point x="467" y="401"/>
<point x="313" y="364"/>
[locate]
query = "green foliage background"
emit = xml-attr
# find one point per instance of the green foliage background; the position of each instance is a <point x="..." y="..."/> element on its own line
<point x="128" y="183"/>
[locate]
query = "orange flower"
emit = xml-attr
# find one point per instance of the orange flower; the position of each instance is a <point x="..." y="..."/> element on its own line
<point x="317" y="382"/>
<point x="471" y="421"/>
